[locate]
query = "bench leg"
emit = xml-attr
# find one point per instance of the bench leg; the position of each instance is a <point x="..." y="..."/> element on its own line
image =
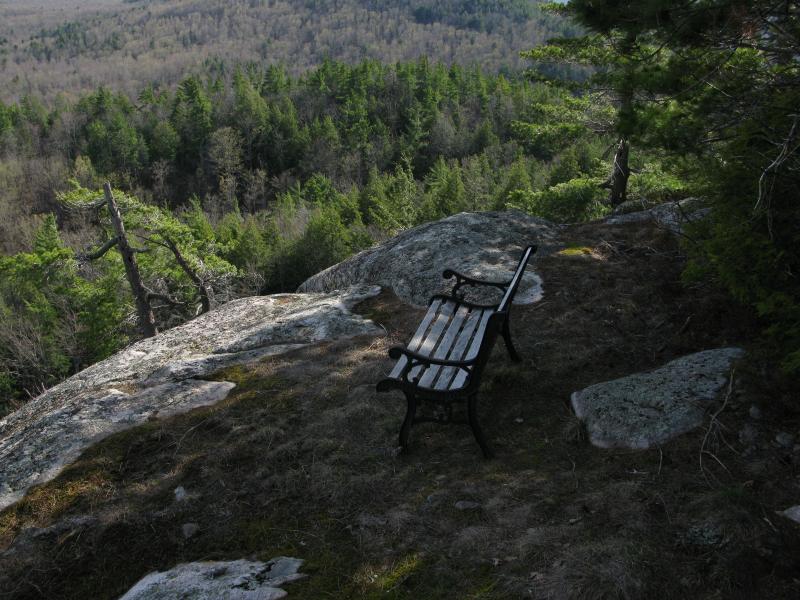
<point x="411" y="412"/>
<point x="512" y="352"/>
<point x="472" y="411"/>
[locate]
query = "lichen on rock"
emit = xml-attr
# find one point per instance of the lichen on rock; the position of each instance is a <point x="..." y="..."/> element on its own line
<point x="669" y="215"/>
<point x="484" y="245"/>
<point x="646" y="409"/>
<point x="159" y="377"/>
<point x="232" y="580"/>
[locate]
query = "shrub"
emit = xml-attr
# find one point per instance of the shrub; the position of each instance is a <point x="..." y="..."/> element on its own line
<point x="568" y="202"/>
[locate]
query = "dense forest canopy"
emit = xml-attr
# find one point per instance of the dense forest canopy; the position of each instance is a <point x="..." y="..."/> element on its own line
<point x="265" y="179"/>
<point x="64" y="48"/>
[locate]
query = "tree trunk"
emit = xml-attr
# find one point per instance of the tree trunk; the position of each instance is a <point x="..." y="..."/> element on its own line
<point x="202" y="288"/>
<point x="618" y="182"/>
<point x="147" y="321"/>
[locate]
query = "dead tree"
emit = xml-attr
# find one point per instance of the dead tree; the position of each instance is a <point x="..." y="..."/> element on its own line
<point x="617" y="183"/>
<point x="144" y="311"/>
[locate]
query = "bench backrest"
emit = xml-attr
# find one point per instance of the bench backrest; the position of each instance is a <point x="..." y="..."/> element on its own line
<point x="508" y="297"/>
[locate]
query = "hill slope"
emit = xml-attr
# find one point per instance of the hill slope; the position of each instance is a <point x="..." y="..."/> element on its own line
<point x="299" y="460"/>
<point x="64" y="48"/>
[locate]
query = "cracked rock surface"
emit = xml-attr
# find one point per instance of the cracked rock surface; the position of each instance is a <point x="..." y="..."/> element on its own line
<point x="233" y="580"/>
<point x="161" y="376"/>
<point x="647" y="409"/>
<point x="485" y="245"/>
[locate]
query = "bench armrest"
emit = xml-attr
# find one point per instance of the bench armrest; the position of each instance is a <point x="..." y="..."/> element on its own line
<point x="397" y="351"/>
<point x="459" y="301"/>
<point x="462" y="279"/>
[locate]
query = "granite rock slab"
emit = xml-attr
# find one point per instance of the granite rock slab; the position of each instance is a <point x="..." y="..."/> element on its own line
<point x="218" y="580"/>
<point x="162" y="376"/>
<point x="484" y="245"/>
<point x="647" y="409"/>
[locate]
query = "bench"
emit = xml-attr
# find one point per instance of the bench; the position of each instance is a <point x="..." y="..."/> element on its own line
<point x="444" y="360"/>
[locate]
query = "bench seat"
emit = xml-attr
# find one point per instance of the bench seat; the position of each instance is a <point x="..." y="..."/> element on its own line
<point x="450" y="331"/>
<point x="444" y="360"/>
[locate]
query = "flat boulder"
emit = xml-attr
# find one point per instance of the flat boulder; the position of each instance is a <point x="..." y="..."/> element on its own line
<point x="232" y="580"/>
<point x="163" y="376"/>
<point x="647" y="409"/>
<point x="485" y="245"/>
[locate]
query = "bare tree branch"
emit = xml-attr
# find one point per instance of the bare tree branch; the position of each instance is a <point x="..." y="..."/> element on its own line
<point x="100" y="251"/>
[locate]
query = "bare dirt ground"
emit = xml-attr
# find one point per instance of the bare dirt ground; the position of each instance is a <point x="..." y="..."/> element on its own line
<point x="301" y="460"/>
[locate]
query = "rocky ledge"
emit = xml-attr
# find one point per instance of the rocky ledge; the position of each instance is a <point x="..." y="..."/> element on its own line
<point x="161" y="376"/>
<point x="485" y="245"/>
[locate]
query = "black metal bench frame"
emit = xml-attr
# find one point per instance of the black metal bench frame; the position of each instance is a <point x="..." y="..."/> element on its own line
<point x="472" y="340"/>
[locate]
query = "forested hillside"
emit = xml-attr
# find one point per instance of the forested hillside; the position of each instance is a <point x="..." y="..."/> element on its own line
<point x="262" y="180"/>
<point x="241" y="168"/>
<point x="169" y="168"/>
<point x="65" y="48"/>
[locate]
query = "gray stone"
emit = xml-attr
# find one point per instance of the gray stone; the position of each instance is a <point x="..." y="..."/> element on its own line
<point x="161" y="376"/>
<point x="748" y="434"/>
<point x="485" y="245"/>
<point x="235" y="580"/>
<point x="670" y="215"/>
<point x="467" y="505"/>
<point x="784" y="439"/>
<point x="647" y="409"/>
<point x="755" y="412"/>
<point x="792" y="513"/>
<point x="189" y="530"/>
<point x="180" y="494"/>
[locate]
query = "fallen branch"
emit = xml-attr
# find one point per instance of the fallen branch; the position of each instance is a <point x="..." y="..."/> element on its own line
<point x="713" y="426"/>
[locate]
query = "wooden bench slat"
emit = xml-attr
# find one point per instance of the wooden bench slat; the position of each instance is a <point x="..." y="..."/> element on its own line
<point x="445" y="345"/>
<point x="419" y="335"/>
<point x="458" y="349"/>
<point x="428" y="344"/>
<point x="474" y="347"/>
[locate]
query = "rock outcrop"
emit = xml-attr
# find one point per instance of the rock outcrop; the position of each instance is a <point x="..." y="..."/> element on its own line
<point x="160" y="377"/>
<point x="233" y="580"/>
<point x="669" y="215"/>
<point x="647" y="409"/>
<point x="485" y="245"/>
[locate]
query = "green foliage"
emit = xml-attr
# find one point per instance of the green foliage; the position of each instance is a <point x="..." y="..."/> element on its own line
<point x="322" y="166"/>
<point x="726" y="83"/>
<point x="568" y="202"/>
<point x="53" y="320"/>
<point x="653" y="182"/>
<point x="158" y="230"/>
<point x="445" y="193"/>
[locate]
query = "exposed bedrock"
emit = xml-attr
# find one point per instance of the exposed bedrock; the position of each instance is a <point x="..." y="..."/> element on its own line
<point x="161" y="376"/>
<point x="485" y="245"/>
<point x="231" y="580"/>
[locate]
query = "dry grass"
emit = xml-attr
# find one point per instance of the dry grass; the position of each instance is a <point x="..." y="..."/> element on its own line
<point x="301" y="460"/>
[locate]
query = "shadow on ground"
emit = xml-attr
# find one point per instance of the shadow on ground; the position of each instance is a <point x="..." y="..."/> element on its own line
<point x="301" y="461"/>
